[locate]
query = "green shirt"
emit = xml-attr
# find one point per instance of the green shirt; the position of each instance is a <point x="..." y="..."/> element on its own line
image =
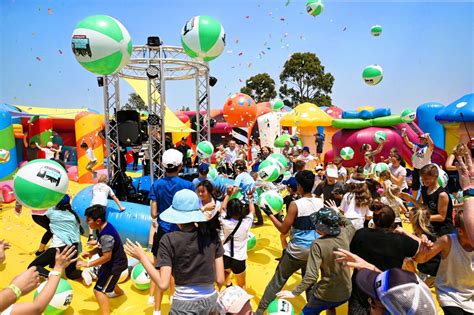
<point x="335" y="282"/>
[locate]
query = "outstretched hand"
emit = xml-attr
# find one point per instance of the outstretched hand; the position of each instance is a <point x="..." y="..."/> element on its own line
<point x="352" y="260"/>
<point x="285" y="294"/>
<point x="331" y="204"/>
<point x="65" y="257"/>
<point x="466" y="170"/>
<point x="134" y="249"/>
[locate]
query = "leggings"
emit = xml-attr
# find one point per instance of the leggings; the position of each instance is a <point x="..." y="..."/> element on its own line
<point x="43" y="221"/>
<point x="48" y="259"/>
<point x="135" y="159"/>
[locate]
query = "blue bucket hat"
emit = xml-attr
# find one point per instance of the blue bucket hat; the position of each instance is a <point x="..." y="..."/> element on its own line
<point x="327" y="221"/>
<point x="184" y="209"/>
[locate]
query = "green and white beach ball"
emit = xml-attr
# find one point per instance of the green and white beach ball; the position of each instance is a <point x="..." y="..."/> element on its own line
<point x="281" y="159"/>
<point x="40" y="184"/>
<point x="204" y="149"/>
<point x="276" y="104"/>
<point x="272" y="199"/>
<point x="61" y="300"/>
<point x="268" y="171"/>
<point x="203" y="37"/>
<point x="442" y="177"/>
<point x="212" y="173"/>
<point x="380" y="136"/>
<point x="140" y="278"/>
<point x="408" y="115"/>
<point x="251" y="241"/>
<point x="347" y="153"/>
<point x="380" y="167"/>
<point x="376" y="30"/>
<point x="280" y="307"/>
<point x="372" y="74"/>
<point x="189" y="153"/>
<point x="101" y="44"/>
<point x="314" y="7"/>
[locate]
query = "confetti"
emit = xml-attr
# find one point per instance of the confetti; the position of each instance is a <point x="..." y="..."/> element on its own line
<point x="60" y="51"/>
<point x="38" y="58"/>
<point x="344" y="29"/>
<point x="287" y="3"/>
<point x="241" y="53"/>
<point x="229" y="51"/>
<point x="249" y="65"/>
<point x="247" y="17"/>
<point x="50" y="11"/>
<point x="282" y="19"/>
<point x="237" y="40"/>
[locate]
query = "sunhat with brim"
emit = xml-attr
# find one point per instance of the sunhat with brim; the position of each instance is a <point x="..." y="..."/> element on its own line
<point x="184" y="209"/>
<point x="326" y="220"/>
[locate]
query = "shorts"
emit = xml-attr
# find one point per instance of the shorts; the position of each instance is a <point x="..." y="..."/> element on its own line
<point x="202" y="306"/>
<point x="416" y="183"/>
<point x="91" y="164"/>
<point x="319" y="149"/>
<point x="236" y="266"/>
<point x="453" y="183"/>
<point x="106" y="281"/>
<point x="156" y="240"/>
<point x="316" y="306"/>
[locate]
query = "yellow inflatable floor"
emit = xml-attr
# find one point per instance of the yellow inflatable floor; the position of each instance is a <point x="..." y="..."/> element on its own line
<point x="25" y="235"/>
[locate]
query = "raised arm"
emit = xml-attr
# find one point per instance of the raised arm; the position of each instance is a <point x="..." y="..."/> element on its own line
<point x="466" y="181"/>
<point x="408" y="143"/>
<point x="379" y="149"/>
<point x="25" y="142"/>
<point x="285" y="226"/>
<point x="430" y="142"/>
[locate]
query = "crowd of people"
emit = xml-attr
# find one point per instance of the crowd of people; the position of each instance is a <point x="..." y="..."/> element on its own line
<point x="334" y="219"/>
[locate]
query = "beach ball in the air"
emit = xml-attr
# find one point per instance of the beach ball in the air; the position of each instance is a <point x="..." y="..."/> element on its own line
<point x="380" y="168"/>
<point x="376" y="30"/>
<point x="372" y="74"/>
<point x="276" y="104"/>
<point x="212" y="173"/>
<point x="140" y="278"/>
<point x="240" y="110"/>
<point x="203" y="37"/>
<point x="408" y="115"/>
<point x="40" y="184"/>
<point x="380" y="136"/>
<point x="346" y="153"/>
<point x="204" y="149"/>
<point x="314" y="7"/>
<point x="61" y="300"/>
<point x="268" y="171"/>
<point x="251" y="241"/>
<point x="271" y="199"/>
<point x="280" y="307"/>
<point x="281" y="159"/>
<point x="189" y="153"/>
<point x="101" y="44"/>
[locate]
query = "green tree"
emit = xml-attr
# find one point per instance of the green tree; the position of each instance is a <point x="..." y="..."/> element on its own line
<point x="303" y="80"/>
<point x="261" y="87"/>
<point x="135" y="102"/>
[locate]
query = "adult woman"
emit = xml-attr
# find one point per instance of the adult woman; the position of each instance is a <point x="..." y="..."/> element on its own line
<point x="369" y="167"/>
<point x="193" y="255"/>
<point x="398" y="173"/>
<point x="255" y="148"/>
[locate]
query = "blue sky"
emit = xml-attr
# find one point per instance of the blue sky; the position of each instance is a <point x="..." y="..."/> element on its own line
<point x="426" y="48"/>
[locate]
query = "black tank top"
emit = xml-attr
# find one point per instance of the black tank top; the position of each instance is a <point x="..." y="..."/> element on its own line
<point x="440" y="228"/>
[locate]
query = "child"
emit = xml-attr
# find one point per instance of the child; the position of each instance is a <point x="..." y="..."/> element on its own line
<point x="100" y="193"/>
<point x="391" y="198"/>
<point x="112" y="258"/>
<point x="385" y="178"/>
<point x="367" y="149"/>
<point x="245" y="183"/>
<point x="193" y="255"/>
<point x="203" y="170"/>
<point x="236" y="224"/>
<point x="355" y="203"/>
<point x="90" y="154"/>
<point x="49" y="151"/>
<point x="66" y="228"/>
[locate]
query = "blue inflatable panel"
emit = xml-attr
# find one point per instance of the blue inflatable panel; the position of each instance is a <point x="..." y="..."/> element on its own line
<point x="452" y="112"/>
<point x="350" y="115"/>
<point x="365" y="114"/>
<point x="142" y="183"/>
<point x="134" y="223"/>
<point x="426" y="114"/>
<point x="381" y="112"/>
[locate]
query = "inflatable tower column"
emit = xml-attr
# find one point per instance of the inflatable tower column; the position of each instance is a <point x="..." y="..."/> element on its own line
<point x="8" y="156"/>
<point x="40" y="131"/>
<point x="87" y="126"/>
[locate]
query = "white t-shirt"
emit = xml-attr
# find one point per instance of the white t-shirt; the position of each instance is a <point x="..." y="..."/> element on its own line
<point x="395" y="204"/>
<point x="397" y="172"/>
<point x="231" y="155"/>
<point x="342" y="172"/>
<point x="352" y="212"/>
<point x="421" y="156"/>
<point x="100" y="193"/>
<point x="48" y="153"/>
<point x="240" y="237"/>
<point x="90" y="154"/>
<point x="306" y="158"/>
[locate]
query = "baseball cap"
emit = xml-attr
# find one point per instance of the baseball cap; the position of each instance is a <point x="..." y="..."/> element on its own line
<point x="294" y="137"/>
<point x="400" y="291"/>
<point x="291" y="182"/>
<point x="423" y="135"/>
<point x="64" y="201"/>
<point x="306" y="149"/>
<point x="185" y="208"/>
<point x="172" y="158"/>
<point x="233" y="299"/>
<point x="319" y="167"/>
<point x="203" y="168"/>
<point x="327" y="221"/>
<point x="331" y="171"/>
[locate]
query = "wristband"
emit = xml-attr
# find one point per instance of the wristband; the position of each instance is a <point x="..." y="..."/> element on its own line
<point x="56" y="273"/>
<point x="15" y="290"/>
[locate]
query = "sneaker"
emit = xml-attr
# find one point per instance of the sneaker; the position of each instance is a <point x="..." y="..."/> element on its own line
<point x="151" y="300"/>
<point x="87" y="277"/>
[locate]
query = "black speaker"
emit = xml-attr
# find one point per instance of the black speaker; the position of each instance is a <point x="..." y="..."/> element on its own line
<point x="129" y="127"/>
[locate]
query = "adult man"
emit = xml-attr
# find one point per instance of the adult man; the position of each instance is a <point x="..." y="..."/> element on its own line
<point x="301" y="237"/>
<point x="326" y="186"/>
<point x="161" y="195"/>
<point x="183" y="147"/>
<point x="231" y="154"/>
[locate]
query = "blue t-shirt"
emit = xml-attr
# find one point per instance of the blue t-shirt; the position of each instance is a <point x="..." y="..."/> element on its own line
<point x="221" y="183"/>
<point x="109" y="240"/>
<point x="162" y="192"/>
<point x="197" y="180"/>
<point x="245" y="182"/>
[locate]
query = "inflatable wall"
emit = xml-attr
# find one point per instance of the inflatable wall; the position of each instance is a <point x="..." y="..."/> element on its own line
<point x="425" y="114"/>
<point x="8" y="154"/>
<point x="87" y="126"/>
<point x="134" y="223"/>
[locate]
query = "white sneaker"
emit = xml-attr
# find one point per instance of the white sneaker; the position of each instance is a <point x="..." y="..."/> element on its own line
<point x="151" y="300"/>
<point x="87" y="277"/>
